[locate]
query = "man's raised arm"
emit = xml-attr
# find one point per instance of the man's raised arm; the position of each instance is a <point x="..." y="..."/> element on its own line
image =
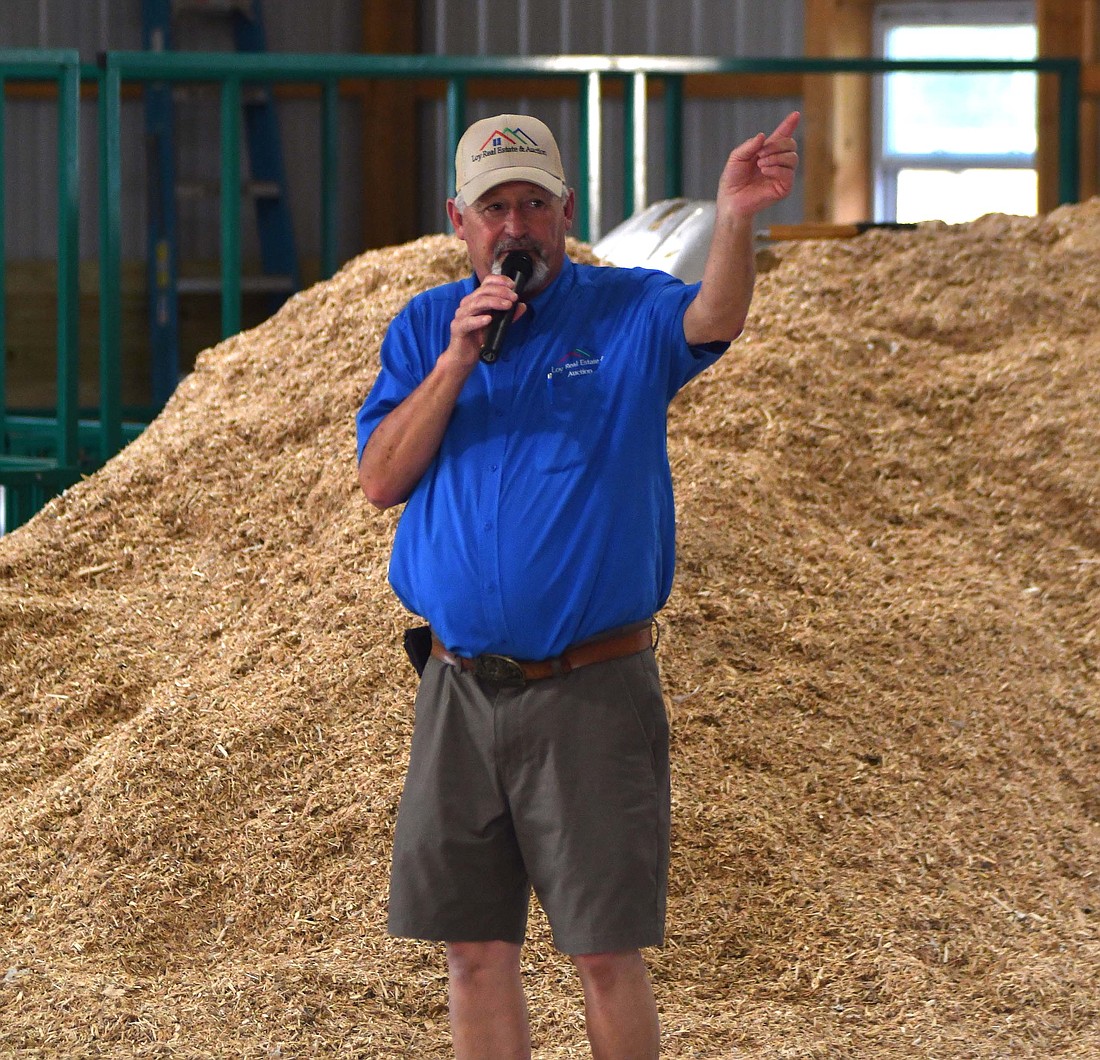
<point x="757" y="174"/>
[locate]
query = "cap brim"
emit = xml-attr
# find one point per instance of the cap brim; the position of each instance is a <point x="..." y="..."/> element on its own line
<point x="477" y="186"/>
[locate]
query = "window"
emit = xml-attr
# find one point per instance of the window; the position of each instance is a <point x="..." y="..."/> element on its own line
<point x="954" y="146"/>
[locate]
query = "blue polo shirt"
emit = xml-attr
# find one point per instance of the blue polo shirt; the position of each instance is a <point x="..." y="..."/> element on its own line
<point x="547" y="515"/>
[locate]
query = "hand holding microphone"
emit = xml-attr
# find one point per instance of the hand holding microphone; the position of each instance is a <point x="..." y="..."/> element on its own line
<point x="517" y="266"/>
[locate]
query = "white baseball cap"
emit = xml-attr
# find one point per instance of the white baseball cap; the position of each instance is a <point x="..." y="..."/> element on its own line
<point x="507" y="147"/>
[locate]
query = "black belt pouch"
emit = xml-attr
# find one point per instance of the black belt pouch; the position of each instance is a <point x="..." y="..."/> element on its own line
<point x="418" y="646"/>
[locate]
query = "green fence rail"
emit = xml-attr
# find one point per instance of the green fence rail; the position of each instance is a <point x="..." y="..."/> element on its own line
<point x="230" y="71"/>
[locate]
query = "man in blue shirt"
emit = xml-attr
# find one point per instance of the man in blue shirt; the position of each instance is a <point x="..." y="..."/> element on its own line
<point x="537" y="540"/>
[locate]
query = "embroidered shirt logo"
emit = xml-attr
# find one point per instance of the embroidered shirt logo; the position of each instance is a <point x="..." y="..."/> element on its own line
<point x="575" y="363"/>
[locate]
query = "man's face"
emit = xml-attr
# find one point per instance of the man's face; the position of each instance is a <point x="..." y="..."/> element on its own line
<point x="516" y="216"/>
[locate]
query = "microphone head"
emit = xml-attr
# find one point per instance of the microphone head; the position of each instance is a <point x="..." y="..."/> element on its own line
<point x="518" y="266"/>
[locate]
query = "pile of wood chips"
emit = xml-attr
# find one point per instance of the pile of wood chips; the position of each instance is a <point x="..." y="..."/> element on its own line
<point x="881" y="662"/>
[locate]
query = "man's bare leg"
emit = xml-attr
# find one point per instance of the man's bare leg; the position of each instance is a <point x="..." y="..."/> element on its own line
<point x="488" y="1008"/>
<point x="620" y="1010"/>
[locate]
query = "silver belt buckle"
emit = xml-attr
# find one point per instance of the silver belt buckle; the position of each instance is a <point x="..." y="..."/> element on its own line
<point x="499" y="670"/>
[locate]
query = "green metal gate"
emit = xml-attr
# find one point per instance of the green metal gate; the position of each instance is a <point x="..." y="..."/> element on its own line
<point x="45" y="455"/>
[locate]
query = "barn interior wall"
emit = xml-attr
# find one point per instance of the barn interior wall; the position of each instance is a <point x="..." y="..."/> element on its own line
<point x="607" y="26"/>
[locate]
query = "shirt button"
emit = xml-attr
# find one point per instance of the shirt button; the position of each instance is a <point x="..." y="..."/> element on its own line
<point x="488" y="526"/>
<point x="492" y="467"/>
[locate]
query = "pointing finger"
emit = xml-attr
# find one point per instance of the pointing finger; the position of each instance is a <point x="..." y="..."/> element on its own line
<point x="787" y="126"/>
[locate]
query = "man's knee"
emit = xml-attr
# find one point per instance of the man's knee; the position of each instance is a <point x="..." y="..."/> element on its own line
<point x="468" y="962"/>
<point x="603" y="972"/>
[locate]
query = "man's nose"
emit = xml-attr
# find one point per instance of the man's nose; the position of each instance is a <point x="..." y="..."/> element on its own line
<point x="515" y="223"/>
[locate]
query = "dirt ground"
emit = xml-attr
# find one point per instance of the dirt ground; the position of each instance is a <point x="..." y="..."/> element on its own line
<point x="881" y="664"/>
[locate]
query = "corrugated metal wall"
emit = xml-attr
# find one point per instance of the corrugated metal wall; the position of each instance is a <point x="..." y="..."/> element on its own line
<point x="31" y="142"/>
<point x="93" y="26"/>
<point x="709" y="27"/>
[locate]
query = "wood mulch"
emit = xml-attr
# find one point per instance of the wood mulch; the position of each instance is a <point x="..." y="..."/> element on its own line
<point x="881" y="662"/>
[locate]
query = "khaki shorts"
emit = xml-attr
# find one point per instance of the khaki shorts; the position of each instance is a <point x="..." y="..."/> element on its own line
<point x="561" y="786"/>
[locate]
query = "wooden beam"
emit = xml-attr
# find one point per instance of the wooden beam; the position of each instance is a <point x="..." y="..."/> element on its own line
<point x="42" y="90"/>
<point x="390" y="141"/>
<point x="836" y="127"/>
<point x="1060" y="26"/>
<point x="1090" y="100"/>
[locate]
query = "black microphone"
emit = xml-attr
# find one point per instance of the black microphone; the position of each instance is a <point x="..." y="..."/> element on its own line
<point x="517" y="266"/>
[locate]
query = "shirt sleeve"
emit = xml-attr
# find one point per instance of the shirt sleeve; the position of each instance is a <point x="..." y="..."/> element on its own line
<point x="412" y="344"/>
<point x="668" y="299"/>
<point x="394" y="383"/>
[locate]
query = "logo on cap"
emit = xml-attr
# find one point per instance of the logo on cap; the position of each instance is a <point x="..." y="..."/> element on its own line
<point x="498" y="136"/>
<point x="507" y="151"/>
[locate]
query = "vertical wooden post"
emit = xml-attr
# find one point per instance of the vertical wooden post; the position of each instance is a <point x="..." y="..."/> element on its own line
<point x="1090" y="105"/>
<point x="391" y="164"/>
<point x="1061" y="26"/>
<point x="837" y="120"/>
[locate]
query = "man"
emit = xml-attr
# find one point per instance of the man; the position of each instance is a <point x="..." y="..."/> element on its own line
<point x="537" y="540"/>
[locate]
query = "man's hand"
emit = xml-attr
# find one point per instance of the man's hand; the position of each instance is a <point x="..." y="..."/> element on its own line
<point x="402" y="446"/>
<point x="474" y="313"/>
<point x="757" y="174"/>
<point x="760" y="172"/>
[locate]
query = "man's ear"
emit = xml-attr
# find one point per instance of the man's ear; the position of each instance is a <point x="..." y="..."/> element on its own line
<point x="456" y="217"/>
<point x="569" y="207"/>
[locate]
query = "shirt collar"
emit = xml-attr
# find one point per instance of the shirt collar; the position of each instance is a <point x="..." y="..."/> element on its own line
<point x="559" y="286"/>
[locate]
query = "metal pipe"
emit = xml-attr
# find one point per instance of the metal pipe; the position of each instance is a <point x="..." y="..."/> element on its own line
<point x="3" y="279"/>
<point x="109" y="110"/>
<point x="330" y="162"/>
<point x="1069" y="139"/>
<point x="456" y="124"/>
<point x="231" y="205"/>
<point x="635" y="137"/>
<point x="591" y="167"/>
<point x="68" y="263"/>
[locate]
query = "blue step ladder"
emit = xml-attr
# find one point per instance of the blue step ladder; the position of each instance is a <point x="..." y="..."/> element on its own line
<point x="267" y="185"/>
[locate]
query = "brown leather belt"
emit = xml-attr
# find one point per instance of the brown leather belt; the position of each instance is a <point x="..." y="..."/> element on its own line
<point x="506" y="671"/>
